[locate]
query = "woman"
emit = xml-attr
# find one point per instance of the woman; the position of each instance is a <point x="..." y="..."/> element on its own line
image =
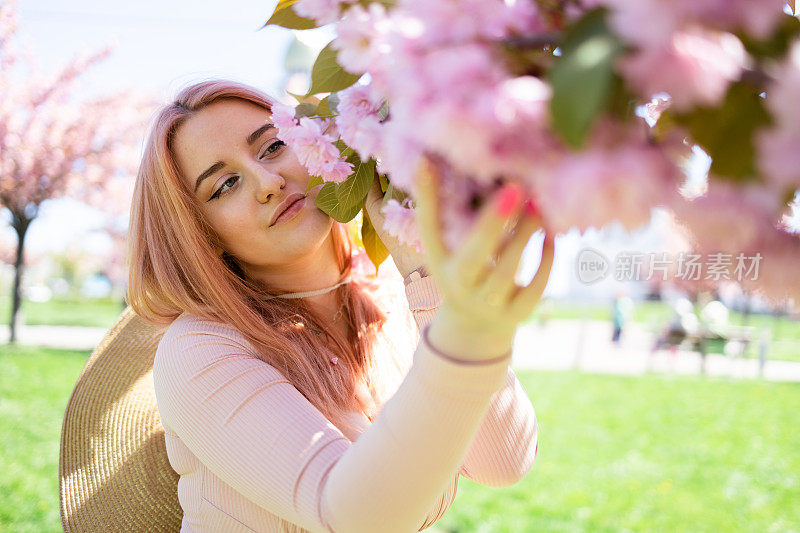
<point x="287" y="394"/>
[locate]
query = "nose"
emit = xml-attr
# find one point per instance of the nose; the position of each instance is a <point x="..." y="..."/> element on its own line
<point x="268" y="184"/>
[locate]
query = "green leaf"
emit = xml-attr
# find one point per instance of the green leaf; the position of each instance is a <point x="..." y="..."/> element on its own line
<point x="327" y="75"/>
<point x="327" y="107"/>
<point x="376" y="250"/>
<point x="388" y="4"/>
<point x="777" y="44"/>
<point x="353" y="190"/>
<point x="285" y="17"/>
<point x="323" y="110"/>
<point x="384" y="182"/>
<point x="348" y="153"/>
<point x="304" y="98"/>
<point x="342" y="201"/>
<point x="393" y="192"/>
<point x="726" y="132"/>
<point x="582" y="77"/>
<point x="313" y="182"/>
<point x="305" y="110"/>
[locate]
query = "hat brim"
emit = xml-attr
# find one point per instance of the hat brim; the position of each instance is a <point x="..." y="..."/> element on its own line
<point x="114" y="473"/>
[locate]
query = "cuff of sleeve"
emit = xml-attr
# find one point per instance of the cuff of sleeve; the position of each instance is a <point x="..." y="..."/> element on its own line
<point x="422" y="293"/>
<point x="462" y="376"/>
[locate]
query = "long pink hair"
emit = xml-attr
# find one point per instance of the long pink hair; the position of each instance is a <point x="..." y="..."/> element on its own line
<point x="173" y="269"/>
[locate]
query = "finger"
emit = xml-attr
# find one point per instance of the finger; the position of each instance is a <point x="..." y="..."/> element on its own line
<point x="427" y="213"/>
<point x="528" y="297"/>
<point x="499" y="285"/>
<point x="488" y="232"/>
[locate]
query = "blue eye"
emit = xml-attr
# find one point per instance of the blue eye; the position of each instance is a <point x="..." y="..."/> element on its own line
<point x="220" y="190"/>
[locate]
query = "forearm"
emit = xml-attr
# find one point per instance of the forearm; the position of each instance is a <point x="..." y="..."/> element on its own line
<point x="505" y="445"/>
<point x="399" y="467"/>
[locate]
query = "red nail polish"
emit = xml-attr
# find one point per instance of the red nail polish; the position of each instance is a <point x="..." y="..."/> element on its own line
<point x="531" y="209"/>
<point x="507" y="199"/>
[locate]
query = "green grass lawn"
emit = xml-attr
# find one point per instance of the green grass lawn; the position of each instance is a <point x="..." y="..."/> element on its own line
<point x="649" y="453"/>
<point x="35" y="384"/>
<point x="652" y="453"/>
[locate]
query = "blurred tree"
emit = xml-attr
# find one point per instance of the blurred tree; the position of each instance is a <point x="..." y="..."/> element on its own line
<point x="52" y="146"/>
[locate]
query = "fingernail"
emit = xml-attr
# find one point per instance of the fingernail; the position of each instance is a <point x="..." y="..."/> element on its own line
<point x="507" y="199"/>
<point x="531" y="209"/>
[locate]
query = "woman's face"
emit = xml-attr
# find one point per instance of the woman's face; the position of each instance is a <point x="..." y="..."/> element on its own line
<point x="242" y="173"/>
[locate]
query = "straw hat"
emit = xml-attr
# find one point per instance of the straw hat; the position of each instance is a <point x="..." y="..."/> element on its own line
<point x="114" y="474"/>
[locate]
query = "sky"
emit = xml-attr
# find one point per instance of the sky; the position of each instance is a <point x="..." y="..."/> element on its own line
<point x="159" y="47"/>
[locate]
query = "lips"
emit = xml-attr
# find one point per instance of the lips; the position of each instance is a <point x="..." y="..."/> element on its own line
<point x="287" y="203"/>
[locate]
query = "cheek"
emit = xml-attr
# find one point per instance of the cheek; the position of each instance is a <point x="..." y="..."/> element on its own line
<point x="236" y="226"/>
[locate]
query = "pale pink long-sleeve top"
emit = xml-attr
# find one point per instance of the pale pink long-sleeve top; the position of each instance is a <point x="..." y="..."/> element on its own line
<point x="252" y="450"/>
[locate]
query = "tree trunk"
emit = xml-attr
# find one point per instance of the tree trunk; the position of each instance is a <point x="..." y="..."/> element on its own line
<point x="20" y="225"/>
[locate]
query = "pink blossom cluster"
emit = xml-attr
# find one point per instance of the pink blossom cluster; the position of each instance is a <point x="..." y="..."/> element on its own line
<point x="468" y="108"/>
<point x="686" y="47"/>
<point x="322" y="11"/>
<point x="454" y="98"/>
<point x="617" y="168"/>
<point x="752" y="210"/>
<point x="311" y="143"/>
<point x="779" y="145"/>
<point x="399" y="221"/>
<point x="358" y="121"/>
<point x="485" y="123"/>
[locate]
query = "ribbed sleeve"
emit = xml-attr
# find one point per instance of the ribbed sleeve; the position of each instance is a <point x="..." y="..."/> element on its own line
<point x="505" y="446"/>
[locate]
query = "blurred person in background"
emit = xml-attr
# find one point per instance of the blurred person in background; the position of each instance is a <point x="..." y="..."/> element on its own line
<point x="621" y="311"/>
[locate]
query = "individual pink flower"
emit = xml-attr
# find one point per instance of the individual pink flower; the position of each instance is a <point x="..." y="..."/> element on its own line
<point x="283" y="116"/>
<point x="400" y="223"/>
<point x="472" y="20"/>
<point x="358" y="120"/>
<point x="729" y="218"/>
<point x="756" y="17"/>
<point x="652" y="22"/>
<point x="400" y="153"/>
<point x="322" y="11"/>
<point x="695" y="68"/>
<point x="361" y="37"/>
<point x="779" y="145"/>
<point x="618" y="177"/>
<point x="315" y="150"/>
<point x="773" y="264"/>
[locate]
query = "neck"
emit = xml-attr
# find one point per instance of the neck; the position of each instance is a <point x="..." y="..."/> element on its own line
<point x="316" y="271"/>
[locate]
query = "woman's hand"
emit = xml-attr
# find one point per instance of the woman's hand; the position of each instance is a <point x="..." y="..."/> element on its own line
<point x="481" y="304"/>
<point x="405" y="257"/>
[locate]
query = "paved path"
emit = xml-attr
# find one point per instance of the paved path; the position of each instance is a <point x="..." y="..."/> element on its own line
<point x="586" y="346"/>
<point x="557" y="345"/>
<point x="68" y="337"/>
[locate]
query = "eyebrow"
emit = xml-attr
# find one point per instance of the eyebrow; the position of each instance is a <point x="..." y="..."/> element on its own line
<point x="253" y="137"/>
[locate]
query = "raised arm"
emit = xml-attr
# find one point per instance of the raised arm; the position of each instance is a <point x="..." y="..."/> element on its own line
<point x="260" y="435"/>
<point x="505" y="446"/>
